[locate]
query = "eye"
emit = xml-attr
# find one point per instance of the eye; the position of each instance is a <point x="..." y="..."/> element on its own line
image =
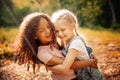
<point x="48" y="26"/>
<point x="62" y="29"/>
<point x="40" y="30"/>
<point x="56" y="31"/>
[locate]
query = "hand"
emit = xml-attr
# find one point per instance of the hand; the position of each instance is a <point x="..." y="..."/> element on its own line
<point x="93" y="63"/>
<point x="92" y="57"/>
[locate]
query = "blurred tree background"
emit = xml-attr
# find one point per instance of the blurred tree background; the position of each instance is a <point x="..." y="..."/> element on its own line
<point x="93" y="14"/>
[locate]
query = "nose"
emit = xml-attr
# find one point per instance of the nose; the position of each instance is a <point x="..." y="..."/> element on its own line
<point x="60" y="34"/>
<point x="47" y="30"/>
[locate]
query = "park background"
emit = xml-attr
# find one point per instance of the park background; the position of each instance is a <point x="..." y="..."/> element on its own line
<point x="99" y="25"/>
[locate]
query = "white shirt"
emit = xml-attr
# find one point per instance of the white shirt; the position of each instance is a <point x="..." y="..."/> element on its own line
<point x="78" y="44"/>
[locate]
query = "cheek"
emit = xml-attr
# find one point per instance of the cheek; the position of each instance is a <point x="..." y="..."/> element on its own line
<point x="39" y="36"/>
<point x="66" y="32"/>
<point x="70" y="31"/>
<point x="41" y="39"/>
<point x="57" y="34"/>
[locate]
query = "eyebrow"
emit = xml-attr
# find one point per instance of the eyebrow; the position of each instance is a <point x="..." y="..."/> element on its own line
<point x="39" y="29"/>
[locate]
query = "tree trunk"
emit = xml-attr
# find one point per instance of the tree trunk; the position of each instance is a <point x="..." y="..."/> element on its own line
<point x="112" y="12"/>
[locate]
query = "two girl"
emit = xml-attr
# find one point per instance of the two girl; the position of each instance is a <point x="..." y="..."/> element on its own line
<point x="36" y="44"/>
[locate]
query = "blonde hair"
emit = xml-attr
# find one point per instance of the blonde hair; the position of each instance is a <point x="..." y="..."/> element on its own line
<point x="64" y="14"/>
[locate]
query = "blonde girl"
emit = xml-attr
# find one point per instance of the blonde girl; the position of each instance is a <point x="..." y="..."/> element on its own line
<point x="66" y="26"/>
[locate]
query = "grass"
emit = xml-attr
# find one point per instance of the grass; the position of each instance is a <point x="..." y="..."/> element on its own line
<point x="102" y="36"/>
<point x="8" y="34"/>
<point x="93" y="38"/>
<point x="101" y="40"/>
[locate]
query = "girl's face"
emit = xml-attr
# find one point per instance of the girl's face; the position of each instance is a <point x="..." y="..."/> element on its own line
<point x="64" y="30"/>
<point x="44" y="32"/>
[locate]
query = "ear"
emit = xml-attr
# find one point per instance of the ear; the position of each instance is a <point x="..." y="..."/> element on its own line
<point x="73" y="25"/>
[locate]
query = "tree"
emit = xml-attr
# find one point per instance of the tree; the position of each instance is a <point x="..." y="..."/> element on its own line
<point x="110" y="17"/>
<point x="7" y="17"/>
<point x="112" y="12"/>
<point x="86" y="10"/>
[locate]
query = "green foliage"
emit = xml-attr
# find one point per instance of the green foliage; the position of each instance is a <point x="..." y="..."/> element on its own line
<point x="2" y="36"/>
<point x="20" y="13"/>
<point x="86" y="10"/>
<point x="6" y="6"/>
<point x="51" y="7"/>
<point x="89" y="11"/>
<point x="5" y="51"/>
<point x="11" y="14"/>
<point x="7" y="36"/>
<point x="115" y="27"/>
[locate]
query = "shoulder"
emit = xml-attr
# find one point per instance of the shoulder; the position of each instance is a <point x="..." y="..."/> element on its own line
<point x="43" y="48"/>
<point x="44" y="53"/>
<point x="77" y="44"/>
<point x="76" y="41"/>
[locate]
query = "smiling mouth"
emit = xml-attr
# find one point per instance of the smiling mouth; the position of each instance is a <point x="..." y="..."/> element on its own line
<point x="48" y="36"/>
<point x="61" y="37"/>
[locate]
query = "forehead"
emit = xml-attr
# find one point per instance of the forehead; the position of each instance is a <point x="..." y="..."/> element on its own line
<point x="62" y="23"/>
<point x="43" y="21"/>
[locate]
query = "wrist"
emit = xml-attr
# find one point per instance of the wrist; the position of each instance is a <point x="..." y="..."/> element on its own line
<point x="90" y="61"/>
<point x="87" y="62"/>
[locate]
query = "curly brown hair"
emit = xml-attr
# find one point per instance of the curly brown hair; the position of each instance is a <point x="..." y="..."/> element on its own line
<point x="26" y="44"/>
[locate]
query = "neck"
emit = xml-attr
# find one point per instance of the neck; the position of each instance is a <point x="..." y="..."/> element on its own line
<point x="44" y="44"/>
<point x="72" y="36"/>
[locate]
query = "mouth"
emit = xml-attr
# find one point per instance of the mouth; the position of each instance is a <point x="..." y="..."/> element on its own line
<point x="49" y="36"/>
<point x="62" y="37"/>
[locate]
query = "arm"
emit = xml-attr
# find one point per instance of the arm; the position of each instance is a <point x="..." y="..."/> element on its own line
<point x="54" y="61"/>
<point x="76" y="64"/>
<point x="65" y="66"/>
<point x="84" y="63"/>
<point x="46" y="56"/>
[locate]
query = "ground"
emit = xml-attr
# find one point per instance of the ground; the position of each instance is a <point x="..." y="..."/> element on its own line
<point x="108" y="56"/>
